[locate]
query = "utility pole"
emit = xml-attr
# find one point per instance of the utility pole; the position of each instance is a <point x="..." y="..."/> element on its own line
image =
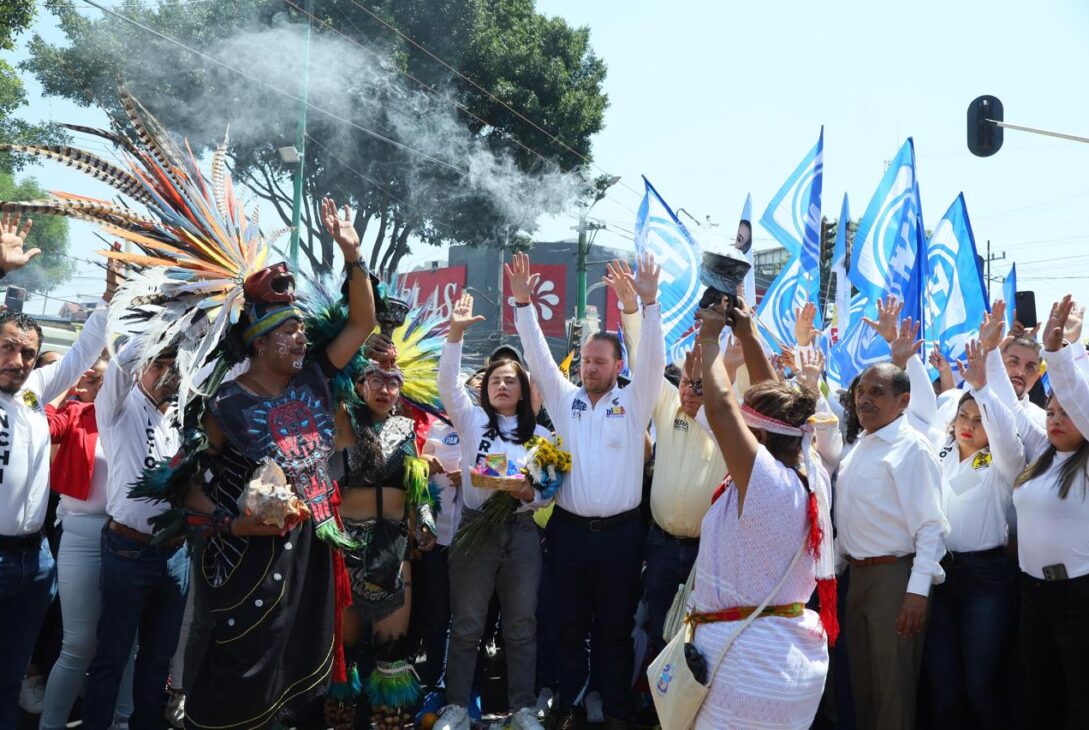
<point x="987" y="262"/>
<point x="300" y="145"/>
<point x="584" y="245"/>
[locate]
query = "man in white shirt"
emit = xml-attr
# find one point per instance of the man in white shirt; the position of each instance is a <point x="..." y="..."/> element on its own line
<point x="891" y="530"/>
<point x="144" y="585"/>
<point x="595" y="535"/>
<point x="28" y="573"/>
<point x="1013" y="367"/>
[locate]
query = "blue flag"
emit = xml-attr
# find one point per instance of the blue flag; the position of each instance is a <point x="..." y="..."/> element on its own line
<point x="890" y="238"/>
<point x="955" y="295"/>
<point x="660" y="232"/>
<point x="1009" y="293"/>
<point x="839" y="268"/>
<point x="793" y="216"/>
<point x="859" y="347"/>
<point x="776" y="310"/>
<point x="625" y="372"/>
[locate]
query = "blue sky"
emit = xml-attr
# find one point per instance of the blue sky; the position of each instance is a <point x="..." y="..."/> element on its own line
<point x="713" y="100"/>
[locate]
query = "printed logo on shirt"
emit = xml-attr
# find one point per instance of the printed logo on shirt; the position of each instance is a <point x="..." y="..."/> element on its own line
<point x="452" y="439"/>
<point x="5" y="443"/>
<point x="981" y="461"/>
<point x="615" y="411"/>
<point x="679" y="424"/>
<point x="149" y="458"/>
<point x="578" y="406"/>
<point x="31" y="400"/>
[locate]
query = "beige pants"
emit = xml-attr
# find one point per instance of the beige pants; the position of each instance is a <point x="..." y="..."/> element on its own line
<point x="884" y="665"/>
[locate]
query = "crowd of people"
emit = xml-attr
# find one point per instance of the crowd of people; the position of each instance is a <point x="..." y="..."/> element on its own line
<point x="717" y="502"/>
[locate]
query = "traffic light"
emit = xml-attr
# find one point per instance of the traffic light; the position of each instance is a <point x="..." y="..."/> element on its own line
<point x="984" y="137"/>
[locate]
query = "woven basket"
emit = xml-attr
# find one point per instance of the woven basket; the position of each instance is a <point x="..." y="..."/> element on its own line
<point x="505" y="484"/>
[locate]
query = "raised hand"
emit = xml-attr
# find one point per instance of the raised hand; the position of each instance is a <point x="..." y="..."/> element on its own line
<point x="521" y="280"/>
<point x="1020" y="330"/>
<point x="114" y="275"/>
<point x="906" y="342"/>
<point x="1072" y="332"/>
<point x="12" y="238"/>
<point x="788" y="357"/>
<point x="646" y="282"/>
<point x="712" y="322"/>
<point x="812" y="368"/>
<point x="461" y="317"/>
<point x="945" y="371"/>
<point x="888" y="316"/>
<point x="341" y="229"/>
<point x="740" y="318"/>
<point x="1056" y="324"/>
<point x="804" y="331"/>
<point x="734" y="357"/>
<point x="619" y="277"/>
<point x="994" y="323"/>
<point x="693" y="367"/>
<point x="973" y="368"/>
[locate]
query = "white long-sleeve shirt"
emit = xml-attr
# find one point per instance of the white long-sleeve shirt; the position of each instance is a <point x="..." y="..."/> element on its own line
<point x="135" y="435"/>
<point x="922" y="409"/>
<point x="977" y="491"/>
<point x="888" y="502"/>
<point x="605" y="440"/>
<point x="477" y="439"/>
<point x="1053" y="530"/>
<point x="24" y="431"/>
<point x="1030" y="418"/>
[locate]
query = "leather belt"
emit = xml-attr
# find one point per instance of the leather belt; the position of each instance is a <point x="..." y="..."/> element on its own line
<point x="597" y="524"/>
<point x="674" y="538"/>
<point x="136" y="536"/>
<point x="877" y="560"/>
<point x="21" y="542"/>
<point x="952" y="557"/>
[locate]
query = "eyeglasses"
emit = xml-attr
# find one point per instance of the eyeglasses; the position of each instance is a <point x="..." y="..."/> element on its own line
<point x="377" y="382"/>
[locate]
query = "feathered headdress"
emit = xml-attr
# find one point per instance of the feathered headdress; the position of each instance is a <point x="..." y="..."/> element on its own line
<point x="195" y="247"/>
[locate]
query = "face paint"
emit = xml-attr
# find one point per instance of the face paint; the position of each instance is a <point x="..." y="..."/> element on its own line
<point x="289" y="344"/>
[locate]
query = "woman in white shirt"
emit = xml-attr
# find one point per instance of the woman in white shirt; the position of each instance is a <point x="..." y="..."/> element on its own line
<point x="509" y="561"/>
<point x="971" y="613"/>
<point x="1052" y="501"/>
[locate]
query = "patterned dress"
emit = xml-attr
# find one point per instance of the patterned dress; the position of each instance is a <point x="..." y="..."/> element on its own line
<point x="264" y="605"/>
<point x="773" y="674"/>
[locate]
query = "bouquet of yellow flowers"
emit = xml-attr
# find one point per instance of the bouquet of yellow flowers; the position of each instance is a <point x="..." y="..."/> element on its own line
<point x="544" y="470"/>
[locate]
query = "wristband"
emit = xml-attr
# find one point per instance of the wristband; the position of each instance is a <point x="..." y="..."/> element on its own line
<point x="357" y="264"/>
<point x="710" y="341"/>
<point x="522" y="304"/>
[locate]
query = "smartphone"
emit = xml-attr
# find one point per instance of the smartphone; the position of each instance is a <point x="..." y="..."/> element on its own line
<point x="14" y="299"/>
<point x="1025" y="306"/>
<point x="1055" y="572"/>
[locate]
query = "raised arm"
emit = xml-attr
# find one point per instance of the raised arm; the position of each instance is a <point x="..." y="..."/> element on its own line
<point x="361" y="315"/>
<point x="117" y="382"/>
<point x="736" y="442"/>
<point x="1069" y="385"/>
<point x="740" y="320"/>
<point x="546" y="373"/>
<point x="1006" y="448"/>
<point x="454" y="398"/>
<point x="646" y="382"/>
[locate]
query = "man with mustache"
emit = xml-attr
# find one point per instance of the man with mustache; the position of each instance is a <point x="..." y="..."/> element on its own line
<point x="891" y="530"/>
<point x="28" y="573"/>
<point x="1013" y="367"/>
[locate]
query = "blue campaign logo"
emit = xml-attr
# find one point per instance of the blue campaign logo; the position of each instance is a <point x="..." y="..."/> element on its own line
<point x="452" y="439"/>
<point x="665" y="678"/>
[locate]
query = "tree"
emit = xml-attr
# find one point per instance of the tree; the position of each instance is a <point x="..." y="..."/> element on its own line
<point x="463" y="180"/>
<point x="15" y="17"/>
<point x="50" y="233"/>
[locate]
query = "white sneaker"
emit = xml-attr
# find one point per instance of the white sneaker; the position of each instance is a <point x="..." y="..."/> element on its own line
<point x="526" y="719"/>
<point x="452" y="717"/>
<point x="595" y="712"/>
<point x="32" y="694"/>
<point x="545" y="698"/>
<point x="175" y="710"/>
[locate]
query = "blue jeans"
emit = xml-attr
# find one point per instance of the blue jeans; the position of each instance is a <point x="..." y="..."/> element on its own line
<point x="971" y="617"/>
<point x="143" y="600"/>
<point x="28" y="583"/>
<point x="669" y="561"/>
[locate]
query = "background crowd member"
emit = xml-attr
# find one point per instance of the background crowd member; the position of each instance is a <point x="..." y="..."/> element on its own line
<point x="509" y="561"/>
<point x="688" y="467"/>
<point x="890" y="528"/>
<point x="27" y="569"/>
<point x="1052" y="501"/>
<point x="758" y="531"/>
<point x="971" y="612"/>
<point x="79" y="476"/>
<point x="595" y="534"/>
<point x="143" y="586"/>
<point x="1013" y="367"/>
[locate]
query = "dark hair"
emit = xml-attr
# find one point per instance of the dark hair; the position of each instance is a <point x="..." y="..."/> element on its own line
<point x="785" y="402"/>
<point x="673" y="374"/>
<point x="610" y="337"/>
<point x="898" y="378"/>
<point x="527" y="420"/>
<point x="851" y="425"/>
<point x="234" y="345"/>
<point x="952" y="429"/>
<point x="1024" y="341"/>
<point x="22" y="321"/>
<point x="1077" y="464"/>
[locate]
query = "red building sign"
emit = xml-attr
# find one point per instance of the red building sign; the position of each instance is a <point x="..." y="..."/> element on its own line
<point x="440" y="287"/>
<point x="549" y="298"/>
